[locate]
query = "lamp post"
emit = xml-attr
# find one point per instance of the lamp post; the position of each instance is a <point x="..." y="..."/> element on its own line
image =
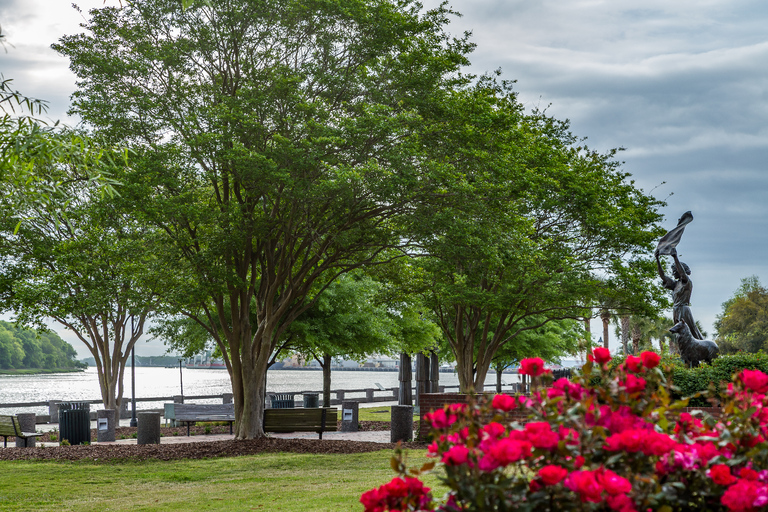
<point x="181" y="382"/>
<point x="133" y="381"/>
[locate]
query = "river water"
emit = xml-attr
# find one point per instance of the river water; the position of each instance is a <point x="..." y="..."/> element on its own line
<point x="166" y="382"/>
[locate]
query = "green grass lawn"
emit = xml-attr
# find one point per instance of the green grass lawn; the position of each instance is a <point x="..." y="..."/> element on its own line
<point x="286" y="482"/>
<point x="383" y="413"/>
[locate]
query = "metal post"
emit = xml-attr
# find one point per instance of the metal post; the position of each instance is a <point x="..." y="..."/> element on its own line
<point x="133" y="381"/>
<point x="181" y="382"/>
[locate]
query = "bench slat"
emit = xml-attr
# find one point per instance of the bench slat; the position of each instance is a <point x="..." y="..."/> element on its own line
<point x="299" y="420"/>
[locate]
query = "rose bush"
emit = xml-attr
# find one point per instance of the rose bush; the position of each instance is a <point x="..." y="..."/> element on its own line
<point x="603" y="441"/>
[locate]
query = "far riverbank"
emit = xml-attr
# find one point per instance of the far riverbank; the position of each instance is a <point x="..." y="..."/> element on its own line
<point x="40" y="371"/>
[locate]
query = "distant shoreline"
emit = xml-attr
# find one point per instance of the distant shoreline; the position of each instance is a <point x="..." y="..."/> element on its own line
<point x="39" y="371"/>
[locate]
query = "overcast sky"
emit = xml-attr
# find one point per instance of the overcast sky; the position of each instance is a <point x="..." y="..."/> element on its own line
<point x="682" y="85"/>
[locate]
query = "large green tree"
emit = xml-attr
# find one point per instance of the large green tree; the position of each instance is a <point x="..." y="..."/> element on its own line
<point x="540" y="228"/>
<point x="83" y="266"/>
<point x="26" y="348"/>
<point x="277" y="148"/>
<point x="353" y="319"/>
<point x="743" y="324"/>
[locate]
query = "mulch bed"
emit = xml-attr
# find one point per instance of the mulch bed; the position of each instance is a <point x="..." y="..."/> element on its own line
<point x="197" y="450"/>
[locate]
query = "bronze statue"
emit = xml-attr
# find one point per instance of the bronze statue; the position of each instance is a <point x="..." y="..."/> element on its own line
<point x="692" y="350"/>
<point x="681" y="286"/>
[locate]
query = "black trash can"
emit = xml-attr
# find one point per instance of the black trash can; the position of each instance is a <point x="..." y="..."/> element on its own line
<point x="311" y="400"/>
<point x="282" y="401"/>
<point x="75" y="422"/>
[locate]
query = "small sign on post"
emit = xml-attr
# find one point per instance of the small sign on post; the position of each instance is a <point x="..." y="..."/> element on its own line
<point x="103" y="424"/>
<point x="347" y="415"/>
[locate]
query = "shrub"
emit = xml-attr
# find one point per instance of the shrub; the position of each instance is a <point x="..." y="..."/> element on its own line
<point x="608" y="440"/>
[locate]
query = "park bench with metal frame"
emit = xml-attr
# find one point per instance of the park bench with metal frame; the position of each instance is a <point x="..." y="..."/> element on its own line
<point x="319" y="420"/>
<point x="9" y="427"/>
<point x="192" y="413"/>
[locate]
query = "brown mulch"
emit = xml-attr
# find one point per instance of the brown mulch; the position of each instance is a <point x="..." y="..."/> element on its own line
<point x="196" y="450"/>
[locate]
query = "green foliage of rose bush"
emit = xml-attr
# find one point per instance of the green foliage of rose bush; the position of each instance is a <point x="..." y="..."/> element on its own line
<point x="608" y="440"/>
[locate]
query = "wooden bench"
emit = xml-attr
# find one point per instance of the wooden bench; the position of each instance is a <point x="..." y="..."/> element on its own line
<point x="9" y="427"/>
<point x="301" y="420"/>
<point x="191" y="413"/>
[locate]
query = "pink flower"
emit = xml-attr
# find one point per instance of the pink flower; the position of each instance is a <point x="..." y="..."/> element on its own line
<point x="440" y="419"/>
<point x="621" y="503"/>
<point x="754" y="380"/>
<point x="503" y="402"/>
<point x="540" y="435"/>
<point x="494" y="430"/>
<point x="634" y="384"/>
<point x="744" y="495"/>
<point x="721" y="474"/>
<point x="552" y="474"/>
<point x="456" y="456"/>
<point x="533" y="366"/>
<point x="508" y="450"/>
<point x="629" y="441"/>
<point x="613" y="483"/>
<point x="650" y="359"/>
<point x="600" y="355"/>
<point x="585" y="485"/>
<point x="634" y="363"/>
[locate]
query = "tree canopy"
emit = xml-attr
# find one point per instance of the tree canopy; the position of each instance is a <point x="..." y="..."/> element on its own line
<point x="538" y="227"/>
<point x="743" y="324"/>
<point x="30" y="349"/>
<point x="277" y="147"/>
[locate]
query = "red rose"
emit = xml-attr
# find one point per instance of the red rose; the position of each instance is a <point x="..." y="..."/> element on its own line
<point x="634" y="384"/>
<point x="755" y="380"/>
<point x="509" y="450"/>
<point x="742" y="495"/>
<point x="540" y="434"/>
<point x="585" y="485"/>
<point x="721" y="474"/>
<point x="533" y="366"/>
<point x="494" y="430"/>
<point x="503" y="402"/>
<point x="634" y="363"/>
<point x="748" y="474"/>
<point x="440" y="419"/>
<point x="621" y="503"/>
<point x="613" y="483"/>
<point x="552" y="474"/>
<point x="456" y="456"/>
<point x="601" y="355"/>
<point x="650" y="359"/>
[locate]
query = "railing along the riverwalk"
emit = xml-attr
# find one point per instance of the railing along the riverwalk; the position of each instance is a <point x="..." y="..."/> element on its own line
<point x="365" y="395"/>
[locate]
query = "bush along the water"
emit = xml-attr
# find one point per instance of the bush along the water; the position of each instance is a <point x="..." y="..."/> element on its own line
<point x="608" y="440"/>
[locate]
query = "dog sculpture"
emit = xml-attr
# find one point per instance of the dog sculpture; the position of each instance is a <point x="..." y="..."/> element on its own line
<point x="693" y="351"/>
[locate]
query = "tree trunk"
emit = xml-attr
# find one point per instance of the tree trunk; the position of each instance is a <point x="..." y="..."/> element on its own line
<point x="606" y="318"/>
<point x="637" y="336"/>
<point x="466" y="374"/>
<point x="588" y="336"/>
<point x="625" y="334"/>
<point x="326" y="365"/>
